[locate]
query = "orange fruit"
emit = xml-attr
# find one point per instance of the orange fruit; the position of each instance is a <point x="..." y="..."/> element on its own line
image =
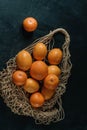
<point x="55" y="56"/>
<point x="39" y="51"/>
<point x="19" y="77"/>
<point x="54" y="69"/>
<point x="51" y="81"/>
<point x="31" y="85"/>
<point x="24" y="60"/>
<point x="36" y="100"/>
<point x="38" y="70"/>
<point x="47" y="93"/>
<point x="30" y="24"/>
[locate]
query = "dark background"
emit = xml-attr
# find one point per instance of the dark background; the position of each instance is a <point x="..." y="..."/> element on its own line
<point x="51" y="14"/>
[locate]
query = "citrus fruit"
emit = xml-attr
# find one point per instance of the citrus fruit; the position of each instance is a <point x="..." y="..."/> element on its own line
<point x="24" y="60"/>
<point x="39" y="51"/>
<point x="31" y="85"/>
<point x="30" y="24"/>
<point x="19" y="77"/>
<point x="55" y="56"/>
<point x="39" y="70"/>
<point x="51" y="81"/>
<point x="54" y="69"/>
<point x="47" y="93"/>
<point x="36" y="100"/>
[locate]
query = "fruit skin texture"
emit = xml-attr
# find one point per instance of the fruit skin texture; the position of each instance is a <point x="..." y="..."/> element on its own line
<point x="54" y="69"/>
<point x="51" y="81"/>
<point x="24" y="60"/>
<point x="30" y="24"/>
<point x="39" y="51"/>
<point x="55" y="56"/>
<point x="47" y="93"/>
<point x="19" y="78"/>
<point x="31" y="85"/>
<point x="36" y="100"/>
<point x="38" y="70"/>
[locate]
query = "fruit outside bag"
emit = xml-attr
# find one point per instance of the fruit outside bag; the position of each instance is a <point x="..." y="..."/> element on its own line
<point x="16" y="98"/>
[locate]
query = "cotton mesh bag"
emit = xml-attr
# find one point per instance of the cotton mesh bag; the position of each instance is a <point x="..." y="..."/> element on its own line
<point x="16" y="98"/>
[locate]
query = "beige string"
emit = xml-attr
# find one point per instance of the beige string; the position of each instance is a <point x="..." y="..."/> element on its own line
<point x="16" y="99"/>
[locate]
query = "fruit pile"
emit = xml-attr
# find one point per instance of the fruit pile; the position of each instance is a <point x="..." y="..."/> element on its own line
<point x="38" y="73"/>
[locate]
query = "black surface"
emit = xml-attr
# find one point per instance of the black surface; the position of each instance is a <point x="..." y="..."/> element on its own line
<point x="69" y="14"/>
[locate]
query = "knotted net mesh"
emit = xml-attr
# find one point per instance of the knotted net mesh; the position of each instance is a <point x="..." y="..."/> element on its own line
<point x="16" y="98"/>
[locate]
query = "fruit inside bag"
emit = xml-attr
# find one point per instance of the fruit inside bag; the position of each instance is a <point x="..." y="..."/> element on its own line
<point x="34" y="87"/>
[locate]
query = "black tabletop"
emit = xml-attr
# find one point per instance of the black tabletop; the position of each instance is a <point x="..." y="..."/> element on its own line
<point x="70" y="15"/>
